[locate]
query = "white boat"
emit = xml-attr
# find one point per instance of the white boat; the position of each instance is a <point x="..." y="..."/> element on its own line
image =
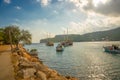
<point x="59" y="48"/>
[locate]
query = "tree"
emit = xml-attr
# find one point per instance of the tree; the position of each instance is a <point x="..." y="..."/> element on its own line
<point x="1" y="35"/>
<point x="13" y="35"/>
<point x="25" y="37"/>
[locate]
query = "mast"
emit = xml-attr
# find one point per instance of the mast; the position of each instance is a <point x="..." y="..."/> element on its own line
<point x="47" y="37"/>
<point x="64" y="35"/>
<point x="67" y="34"/>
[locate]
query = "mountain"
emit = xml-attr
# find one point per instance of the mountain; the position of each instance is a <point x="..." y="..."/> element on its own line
<point x="111" y="35"/>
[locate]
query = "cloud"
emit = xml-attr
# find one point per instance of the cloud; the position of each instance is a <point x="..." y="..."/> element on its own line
<point x="74" y="10"/>
<point x="60" y="0"/>
<point x="44" y="2"/>
<point x="39" y="29"/>
<point x="93" y="23"/>
<point x="7" y="1"/>
<point x="75" y="2"/>
<point x="56" y="12"/>
<point x="105" y="7"/>
<point x="18" y="7"/>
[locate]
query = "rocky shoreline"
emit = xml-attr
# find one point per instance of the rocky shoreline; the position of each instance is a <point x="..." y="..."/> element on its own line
<point x="28" y="67"/>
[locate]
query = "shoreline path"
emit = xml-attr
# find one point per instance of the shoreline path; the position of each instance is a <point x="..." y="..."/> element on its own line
<point x="6" y="67"/>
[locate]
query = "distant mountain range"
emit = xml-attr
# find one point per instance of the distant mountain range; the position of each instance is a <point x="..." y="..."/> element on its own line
<point x="110" y="35"/>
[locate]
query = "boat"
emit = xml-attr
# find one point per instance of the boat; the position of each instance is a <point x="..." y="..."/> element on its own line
<point x="67" y="41"/>
<point x="59" y="48"/>
<point x="50" y="43"/>
<point x="112" y="49"/>
<point x="64" y="43"/>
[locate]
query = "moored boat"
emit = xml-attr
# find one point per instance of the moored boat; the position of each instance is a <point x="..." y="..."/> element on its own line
<point x="50" y="43"/>
<point x="112" y="49"/>
<point x="59" y="48"/>
<point x="67" y="43"/>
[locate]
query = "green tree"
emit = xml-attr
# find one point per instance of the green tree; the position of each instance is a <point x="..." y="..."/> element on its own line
<point x="26" y="37"/>
<point x="13" y="35"/>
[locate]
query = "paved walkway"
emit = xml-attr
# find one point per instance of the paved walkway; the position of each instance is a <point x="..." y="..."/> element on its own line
<point x="6" y="68"/>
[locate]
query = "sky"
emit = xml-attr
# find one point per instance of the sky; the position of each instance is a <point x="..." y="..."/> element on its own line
<point x="53" y="17"/>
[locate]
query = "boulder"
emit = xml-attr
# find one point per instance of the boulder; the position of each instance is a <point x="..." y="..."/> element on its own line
<point x="29" y="72"/>
<point x="41" y="75"/>
<point x="34" y="59"/>
<point x="54" y="74"/>
<point x="25" y="65"/>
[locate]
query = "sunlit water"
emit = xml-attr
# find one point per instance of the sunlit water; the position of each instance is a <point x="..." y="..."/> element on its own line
<point x="84" y="60"/>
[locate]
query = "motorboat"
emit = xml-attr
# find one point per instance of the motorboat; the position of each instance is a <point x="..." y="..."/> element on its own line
<point x="59" y="48"/>
<point x="112" y="49"/>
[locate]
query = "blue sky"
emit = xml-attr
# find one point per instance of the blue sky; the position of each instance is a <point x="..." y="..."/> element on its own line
<point x="42" y="17"/>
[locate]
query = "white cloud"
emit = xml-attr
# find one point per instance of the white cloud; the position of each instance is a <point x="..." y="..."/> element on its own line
<point x="99" y="17"/>
<point x="44" y="2"/>
<point x="18" y="7"/>
<point x="74" y="10"/>
<point x="71" y="17"/>
<point x="93" y="23"/>
<point x="7" y="1"/>
<point x="56" y="12"/>
<point x="60" y="0"/>
<point x="76" y="2"/>
<point x="104" y="7"/>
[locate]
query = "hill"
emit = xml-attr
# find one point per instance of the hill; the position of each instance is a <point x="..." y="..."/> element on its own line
<point x="111" y="35"/>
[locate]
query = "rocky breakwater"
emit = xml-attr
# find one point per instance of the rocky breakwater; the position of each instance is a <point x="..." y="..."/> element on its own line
<point x="27" y="67"/>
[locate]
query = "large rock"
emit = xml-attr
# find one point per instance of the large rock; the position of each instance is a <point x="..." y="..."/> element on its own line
<point x="29" y="72"/>
<point x="53" y="74"/>
<point x="41" y="75"/>
<point x="25" y="65"/>
<point x="23" y="59"/>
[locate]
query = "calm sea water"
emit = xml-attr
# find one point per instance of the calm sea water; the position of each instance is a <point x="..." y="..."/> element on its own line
<point x="84" y="60"/>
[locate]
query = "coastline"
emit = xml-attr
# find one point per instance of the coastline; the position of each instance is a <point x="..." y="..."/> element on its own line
<point x="28" y="67"/>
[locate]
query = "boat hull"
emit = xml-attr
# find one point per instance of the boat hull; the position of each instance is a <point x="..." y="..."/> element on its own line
<point x="110" y="50"/>
<point x="50" y="44"/>
<point x="59" y="49"/>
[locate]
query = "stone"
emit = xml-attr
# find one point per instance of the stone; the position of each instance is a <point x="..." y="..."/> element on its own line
<point x="54" y="73"/>
<point x="41" y="75"/>
<point x="34" y="59"/>
<point x="29" y="72"/>
<point x="20" y="74"/>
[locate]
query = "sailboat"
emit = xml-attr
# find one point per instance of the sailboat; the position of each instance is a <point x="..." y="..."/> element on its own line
<point x="67" y="42"/>
<point x="49" y="43"/>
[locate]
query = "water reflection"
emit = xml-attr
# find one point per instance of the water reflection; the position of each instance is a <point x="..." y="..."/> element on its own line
<point x="85" y="60"/>
<point x="59" y="53"/>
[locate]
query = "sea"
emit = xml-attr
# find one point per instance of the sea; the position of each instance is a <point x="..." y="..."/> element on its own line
<point x="83" y="60"/>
